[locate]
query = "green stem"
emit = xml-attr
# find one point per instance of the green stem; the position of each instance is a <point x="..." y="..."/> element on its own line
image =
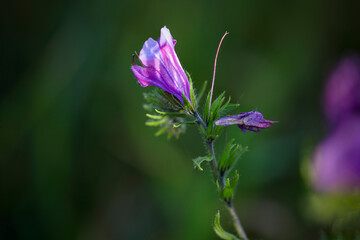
<point x="236" y="221"/>
<point x="220" y="178"/>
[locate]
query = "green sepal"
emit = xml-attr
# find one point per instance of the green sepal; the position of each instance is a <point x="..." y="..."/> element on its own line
<point x="220" y="231"/>
<point x="192" y="94"/>
<point x="167" y="101"/>
<point x="197" y="161"/>
<point x="178" y="124"/>
<point x="187" y="105"/>
<point x="156" y="100"/>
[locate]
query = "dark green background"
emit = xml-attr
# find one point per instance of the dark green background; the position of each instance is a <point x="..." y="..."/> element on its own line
<point x="77" y="161"/>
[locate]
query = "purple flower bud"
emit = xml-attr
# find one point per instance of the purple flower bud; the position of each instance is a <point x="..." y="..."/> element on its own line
<point x="342" y="92"/>
<point x="161" y="67"/>
<point x="336" y="162"/>
<point x="252" y="121"/>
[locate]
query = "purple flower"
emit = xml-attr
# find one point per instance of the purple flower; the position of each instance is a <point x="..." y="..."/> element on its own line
<point x="336" y="162"/>
<point x="342" y="92"/>
<point x="161" y="67"/>
<point x="252" y="121"/>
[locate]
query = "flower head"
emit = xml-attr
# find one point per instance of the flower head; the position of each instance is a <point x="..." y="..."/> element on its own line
<point x="252" y="121"/>
<point x="161" y="67"/>
<point x="336" y="162"/>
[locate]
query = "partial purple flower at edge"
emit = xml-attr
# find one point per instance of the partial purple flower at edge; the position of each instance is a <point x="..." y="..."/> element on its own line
<point x="336" y="161"/>
<point x="162" y="67"/>
<point x="252" y="121"/>
<point x="342" y="92"/>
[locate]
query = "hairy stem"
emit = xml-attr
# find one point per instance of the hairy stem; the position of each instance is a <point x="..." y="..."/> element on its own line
<point x="236" y="221"/>
<point x="214" y="166"/>
<point x="218" y="176"/>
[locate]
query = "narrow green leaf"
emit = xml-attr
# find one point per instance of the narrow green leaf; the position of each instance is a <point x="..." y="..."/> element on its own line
<point x="236" y="154"/>
<point x="234" y="180"/>
<point x="224" y="159"/>
<point x="154" y="116"/>
<point x="223" y="107"/>
<point x="199" y="160"/>
<point x="216" y="102"/>
<point x="207" y="108"/>
<point x="227" y="192"/>
<point x="154" y="123"/>
<point x="218" y="129"/>
<point x="180" y="113"/>
<point x="210" y="125"/>
<point x="203" y="130"/>
<point x="220" y="231"/>
<point x="171" y="132"/>
<point x="227" y="109"/>
<point x="218" y="186"/>
<point x="178" y="124"/>
<point x="161" y="131"/>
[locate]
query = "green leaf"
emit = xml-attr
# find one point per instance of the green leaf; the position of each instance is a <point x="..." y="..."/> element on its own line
<point x="215" y="106"/>
<point x="235" y="180"/>
<point x="223" y="107"/>
<point x="210" y="125"/>
<point x="178" y="124"/>
<point x="227" y="109"/>
<point x="207" y="108"/>
<point x="236" y="154"/>
<point x="203" y="130"/>
<point x="224" y="159"/>
<point x="199" y="160"/>
<point x="161" y="131"/>
<point x="155" y="123"/>
<point x="230" y="155"/>
<point x="218" y="129"/>
<point x="220" y="231"/>
<point x="227" y="192"/>
<point x="180" y="113"/>
<point x="154" y="116"/>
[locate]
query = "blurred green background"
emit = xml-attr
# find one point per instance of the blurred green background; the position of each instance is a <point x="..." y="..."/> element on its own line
<point x="78" y="162"/>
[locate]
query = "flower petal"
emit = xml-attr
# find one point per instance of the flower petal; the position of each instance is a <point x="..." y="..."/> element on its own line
<point x="251" y="121"/>
<point x="147" y="76"/>
<point x="162" y="67"/>
<point x="167" y="44"/>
